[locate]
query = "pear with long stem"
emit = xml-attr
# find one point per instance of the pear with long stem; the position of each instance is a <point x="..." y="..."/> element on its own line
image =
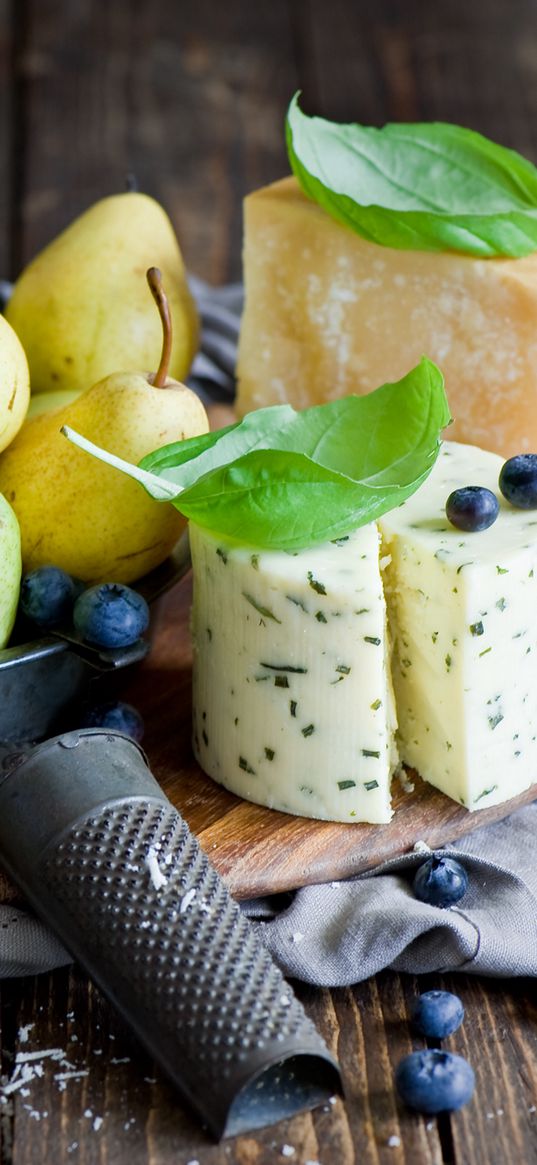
<point x="82" y="515"/>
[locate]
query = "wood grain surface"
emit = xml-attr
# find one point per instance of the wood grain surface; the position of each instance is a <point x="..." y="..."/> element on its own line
<point x="192" y="96"/>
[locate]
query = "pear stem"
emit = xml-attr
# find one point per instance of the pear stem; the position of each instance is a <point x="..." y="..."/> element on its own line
<point x="154" y="279"/>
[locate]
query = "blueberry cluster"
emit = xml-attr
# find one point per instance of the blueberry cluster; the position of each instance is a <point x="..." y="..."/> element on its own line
<point x="474" y="508"/>
<point x="106" y="616"/>
<point x="432" y="1080"/>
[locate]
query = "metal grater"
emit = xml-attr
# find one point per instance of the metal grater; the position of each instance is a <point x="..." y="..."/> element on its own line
<point x="109" y="863"/>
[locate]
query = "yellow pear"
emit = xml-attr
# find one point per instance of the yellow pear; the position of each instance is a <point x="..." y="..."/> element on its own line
<point x="14" y="384"/>
<point x="80" y="308"/>
<point x="82" y="515"/>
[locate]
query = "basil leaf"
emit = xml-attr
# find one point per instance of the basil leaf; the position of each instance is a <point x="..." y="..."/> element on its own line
<point x="428" y="187"/>
<point x="282" y="479"/>
<point x="379" y="438"/>
<point x="379" y="450"/>
<point x="185" y="461"/>
<point x="276" y="500"/>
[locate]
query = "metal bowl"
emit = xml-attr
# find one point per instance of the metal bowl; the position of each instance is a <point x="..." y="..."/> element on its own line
<point x="43" y="681"/>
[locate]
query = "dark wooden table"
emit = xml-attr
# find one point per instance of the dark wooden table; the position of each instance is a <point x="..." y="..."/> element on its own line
<point x="191" y="96"/>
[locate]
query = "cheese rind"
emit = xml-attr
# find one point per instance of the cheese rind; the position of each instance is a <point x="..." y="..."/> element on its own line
<point x="293" y="705"/>
<point x="328" y="313"/>
<point x="462" y="609"/>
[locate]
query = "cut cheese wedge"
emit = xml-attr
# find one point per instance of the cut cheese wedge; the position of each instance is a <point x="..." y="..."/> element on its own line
<point x="293" y="704"/>
<point x="293" y="699"/>
<point x="328" y="313"/>
<point x="463" y="612"/>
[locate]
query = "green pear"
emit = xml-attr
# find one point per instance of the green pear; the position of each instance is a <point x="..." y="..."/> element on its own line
<point x="14" y="384"/>
<point x="10" y="569"/>
<point x="82" y="515"/>
<point x="80" y="308"/>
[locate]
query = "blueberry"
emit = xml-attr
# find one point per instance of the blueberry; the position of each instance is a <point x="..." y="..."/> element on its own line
<point x="434" y="1081"/>
<point x="472" y="508"/>
<point x="47" y="596"/>
<point x="110" y="615"/>
<point x="518" y="481"/>
<point x="440" y="881"/>
<point x="118" y="716"/>
<point x="436" y="1014"/>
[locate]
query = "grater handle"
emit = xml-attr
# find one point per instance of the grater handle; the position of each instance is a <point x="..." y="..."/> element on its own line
<point x="111" y="865"/>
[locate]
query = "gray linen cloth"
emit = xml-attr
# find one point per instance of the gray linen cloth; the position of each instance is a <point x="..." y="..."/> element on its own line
<point x="343" y="932"/>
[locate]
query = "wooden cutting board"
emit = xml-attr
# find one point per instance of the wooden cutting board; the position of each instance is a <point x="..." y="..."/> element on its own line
<point x="257" y="850"/>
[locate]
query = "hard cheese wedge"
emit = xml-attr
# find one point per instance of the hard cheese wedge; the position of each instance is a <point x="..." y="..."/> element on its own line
<point x="292" y="694"/>
<point x="463" y="611"/>
<point x="328" y="313"/>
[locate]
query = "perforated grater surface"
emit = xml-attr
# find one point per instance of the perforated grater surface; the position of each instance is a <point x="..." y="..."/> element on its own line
<point x="108" y="862"/>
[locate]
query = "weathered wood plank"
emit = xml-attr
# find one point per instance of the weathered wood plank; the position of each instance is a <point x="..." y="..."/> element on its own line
<point x="105" y="1101"/>
<point x="6" y="135"/>
<point x="405" y="62"/>
<point x="189" y="97"/>
<point x="499" y="1038"/>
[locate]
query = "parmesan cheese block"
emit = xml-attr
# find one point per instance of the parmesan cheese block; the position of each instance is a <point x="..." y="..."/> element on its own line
<point x="463" y="612"/>
<point x="328" y="313"/>
<point x="293" y="704"/>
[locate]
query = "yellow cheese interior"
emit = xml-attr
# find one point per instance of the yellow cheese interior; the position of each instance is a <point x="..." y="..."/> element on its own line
<point x="328" y="313"/>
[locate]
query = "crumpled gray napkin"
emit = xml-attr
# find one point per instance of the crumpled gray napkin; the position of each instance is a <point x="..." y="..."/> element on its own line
<point x="343" y="932"/>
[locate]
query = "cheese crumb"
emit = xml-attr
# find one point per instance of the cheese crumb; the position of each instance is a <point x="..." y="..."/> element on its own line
<point x="61" y="1076"/>
<point x="157" y="877"/>
<point x="394" y="1141"/>
<point x="421" y="847"/>
<point x="287" y="1151"/>
<point x="187" y="900"/>
<point x="406" y="784"/>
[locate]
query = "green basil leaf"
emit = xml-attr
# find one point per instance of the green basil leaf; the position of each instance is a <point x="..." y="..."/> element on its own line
<point x="428" y="187"/>
<point x="282" y="479"/>
<point x="276" y="500"/>
<point x="185" y="461"/>
<point x="380" y="438"/>
<point x="390" y="430"/>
